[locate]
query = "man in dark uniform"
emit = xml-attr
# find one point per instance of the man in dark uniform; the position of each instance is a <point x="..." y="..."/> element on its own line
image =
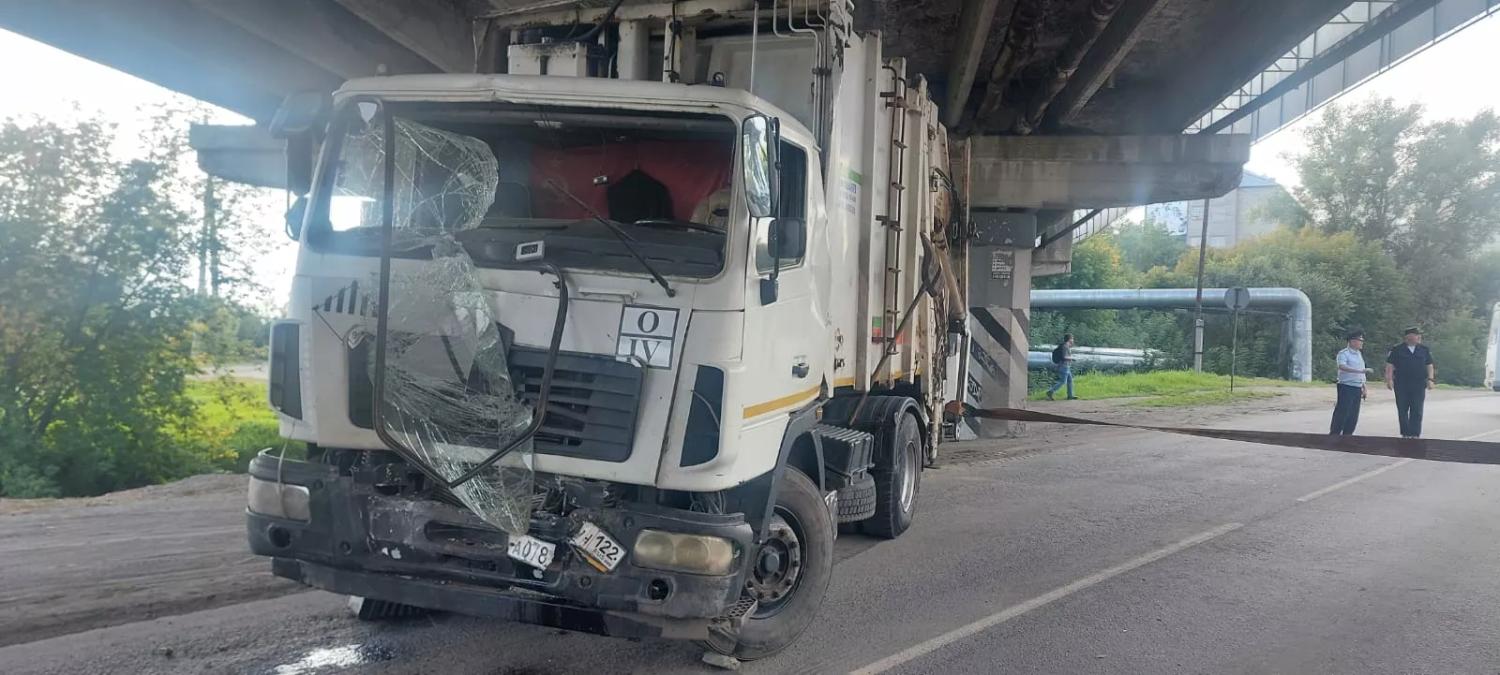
<point x="1409" y="371"/>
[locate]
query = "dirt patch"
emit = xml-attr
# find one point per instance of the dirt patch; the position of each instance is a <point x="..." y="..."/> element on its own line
<point x="77" y="564"/>
<point x="1039" y="437"/>
<point x="192" y="486"/>
<point x="1285" y="399"/>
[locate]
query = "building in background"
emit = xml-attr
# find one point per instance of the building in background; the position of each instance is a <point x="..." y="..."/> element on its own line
<point x="1233" y="218"/>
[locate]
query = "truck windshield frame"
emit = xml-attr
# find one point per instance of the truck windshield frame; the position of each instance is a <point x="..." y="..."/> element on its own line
<point x="639" y="168"/>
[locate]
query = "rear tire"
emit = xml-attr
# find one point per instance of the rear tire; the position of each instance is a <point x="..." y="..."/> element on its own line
<point x="898" y="479"/>
<point x="800" y="538"/>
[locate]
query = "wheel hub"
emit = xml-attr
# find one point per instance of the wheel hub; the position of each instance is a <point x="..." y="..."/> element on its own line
<point x="778" y="565"/>
<point x="770" y="561"/>
<point x="908" y="469"/>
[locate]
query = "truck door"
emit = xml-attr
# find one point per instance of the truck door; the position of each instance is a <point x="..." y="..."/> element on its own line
<point x="787" y="331"/>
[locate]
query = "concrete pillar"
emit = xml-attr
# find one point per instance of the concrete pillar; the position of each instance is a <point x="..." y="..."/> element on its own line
<point x="1017" y="180"/>
<point x="634" y="41"/>
<point x="999" y="317"/>
<point x="679" y="55"/>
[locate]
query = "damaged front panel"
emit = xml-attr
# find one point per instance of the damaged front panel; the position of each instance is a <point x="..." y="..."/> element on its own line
<point x="448" y="399"/>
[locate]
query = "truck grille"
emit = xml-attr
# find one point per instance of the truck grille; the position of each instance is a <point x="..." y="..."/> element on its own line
<point x="591" y="414"/>
<point x="592" y="410"/>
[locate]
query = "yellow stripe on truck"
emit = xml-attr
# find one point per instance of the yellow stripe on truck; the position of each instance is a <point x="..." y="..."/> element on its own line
<point x="788" y="401"/>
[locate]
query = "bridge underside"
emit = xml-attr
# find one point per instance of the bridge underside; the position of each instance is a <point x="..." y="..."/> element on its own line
<point x="1017" y="66"/>
<point x="1069" y="103"/>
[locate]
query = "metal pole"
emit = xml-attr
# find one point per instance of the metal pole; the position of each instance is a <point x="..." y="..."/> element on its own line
<point x="1198" y="303"/>
<point x="1234" y="349"/>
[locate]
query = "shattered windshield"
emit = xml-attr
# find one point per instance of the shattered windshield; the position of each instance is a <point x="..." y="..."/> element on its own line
<point x="447" y="396"/>
<point x="556" y="175"/>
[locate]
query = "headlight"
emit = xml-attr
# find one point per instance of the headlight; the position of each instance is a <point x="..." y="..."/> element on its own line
<point x="691" y="553"/>
<point x="279" y="500"/>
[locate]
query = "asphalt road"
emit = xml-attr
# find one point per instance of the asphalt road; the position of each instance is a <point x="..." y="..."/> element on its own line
<point x="1123" y="552"/>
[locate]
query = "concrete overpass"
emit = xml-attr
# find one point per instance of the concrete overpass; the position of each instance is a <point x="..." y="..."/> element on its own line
<point x="1070" y="104"/>
<point x="1094" y="66"/>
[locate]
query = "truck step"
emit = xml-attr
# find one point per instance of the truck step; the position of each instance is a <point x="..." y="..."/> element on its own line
<point x="740" y="609"/>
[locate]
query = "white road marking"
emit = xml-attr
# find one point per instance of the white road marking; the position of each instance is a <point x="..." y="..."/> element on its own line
<point x="1346" y="483"/>
<point x="1376" y="472"/>
<point x="952" y="636"/>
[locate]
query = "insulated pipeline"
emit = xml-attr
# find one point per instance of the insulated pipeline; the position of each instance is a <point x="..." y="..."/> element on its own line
<point x="1293" y="301"/>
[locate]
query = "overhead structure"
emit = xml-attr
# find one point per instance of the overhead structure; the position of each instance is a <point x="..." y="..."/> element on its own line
<point x="1073" y="172"/>
<point x="1363" y="40"/>
<point x="1006" y="66"/>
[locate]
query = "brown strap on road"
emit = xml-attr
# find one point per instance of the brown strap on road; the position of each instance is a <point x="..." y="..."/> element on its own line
<point x="1436" y="450"/>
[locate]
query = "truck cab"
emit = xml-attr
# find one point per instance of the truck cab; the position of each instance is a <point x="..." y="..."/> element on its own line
<point x="605" y="353"/>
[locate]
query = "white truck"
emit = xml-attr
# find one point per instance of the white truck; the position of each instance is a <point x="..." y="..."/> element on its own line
<point x="619" y="340"/>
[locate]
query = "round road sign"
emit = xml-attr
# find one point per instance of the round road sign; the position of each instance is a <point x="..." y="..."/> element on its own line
<point x="1237" y="298"/>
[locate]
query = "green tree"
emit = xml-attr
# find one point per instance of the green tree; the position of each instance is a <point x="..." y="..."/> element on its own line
<point x="97" y="327"/>
<point x="1427" y="192"/>
<point x="1148" y="244"/>
<point x="1284" y="210"/>
<point x="1352" y="283"/>
<point x="1458" y="342"/>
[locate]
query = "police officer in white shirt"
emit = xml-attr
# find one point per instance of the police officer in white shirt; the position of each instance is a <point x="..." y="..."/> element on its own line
<point x="1351" y="386"/>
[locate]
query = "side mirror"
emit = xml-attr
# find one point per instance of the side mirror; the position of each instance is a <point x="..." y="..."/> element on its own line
<point x="787" y="238"/>
<point x="299" y="164"/>
<point x="301" y="113"/>
<point x="770" y="288"/>
<point x="300" y="119"/>
<point x="759" y="140"/>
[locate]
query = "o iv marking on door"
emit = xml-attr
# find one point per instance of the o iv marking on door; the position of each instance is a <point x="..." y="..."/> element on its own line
<point x="648" y="334"/>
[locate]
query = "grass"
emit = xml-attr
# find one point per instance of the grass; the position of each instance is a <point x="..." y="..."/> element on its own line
<point x="1163" y="383"/>
<point x="1197" y="398"/>
<point x="231" y="421"/>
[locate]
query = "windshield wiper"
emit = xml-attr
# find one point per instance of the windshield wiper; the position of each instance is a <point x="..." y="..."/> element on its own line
<point x="680" y="224"/>
<point x="619" y="233"/>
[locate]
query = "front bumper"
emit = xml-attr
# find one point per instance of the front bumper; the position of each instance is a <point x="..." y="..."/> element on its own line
<point x="490" y="602"/>
<point x="430" y="554"/>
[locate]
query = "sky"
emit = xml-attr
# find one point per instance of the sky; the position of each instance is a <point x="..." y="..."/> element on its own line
<point x="1446" y="78"/>
<point x="58" y="85"/>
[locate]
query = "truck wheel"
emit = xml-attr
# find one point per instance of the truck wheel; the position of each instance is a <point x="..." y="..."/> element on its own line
<point x="790" y="572"/>
<point x="898" y="479"/>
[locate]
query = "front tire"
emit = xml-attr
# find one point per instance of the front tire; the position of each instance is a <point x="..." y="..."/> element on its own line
<point x="898" y="479"/>
<point x="790" y="573"/>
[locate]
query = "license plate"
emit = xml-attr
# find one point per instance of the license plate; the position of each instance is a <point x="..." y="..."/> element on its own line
<point x="530" y="550"/>
<point x="597" y="547"/>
